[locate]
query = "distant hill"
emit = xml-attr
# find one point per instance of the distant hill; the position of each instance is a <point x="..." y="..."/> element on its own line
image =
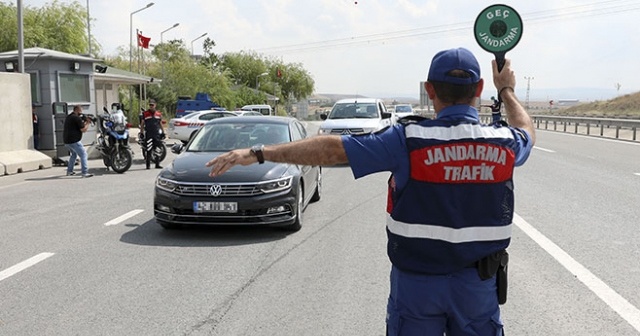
<point x="627" y="106"/>
<point x="333" y="97"/>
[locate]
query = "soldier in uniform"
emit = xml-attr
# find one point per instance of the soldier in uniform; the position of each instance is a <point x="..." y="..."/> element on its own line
<point x="450" y="197"/>
<point x="152" y="129"/>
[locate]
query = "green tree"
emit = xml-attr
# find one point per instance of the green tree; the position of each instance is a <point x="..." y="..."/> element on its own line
<point x="244" y="68"/>
<point x="55" y="26"/>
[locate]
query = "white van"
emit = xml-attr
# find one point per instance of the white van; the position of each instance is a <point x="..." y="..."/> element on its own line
<point x="264" y="109"/>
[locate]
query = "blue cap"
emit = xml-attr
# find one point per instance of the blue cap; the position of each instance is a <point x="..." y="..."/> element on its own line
<point x="454" y="59"/>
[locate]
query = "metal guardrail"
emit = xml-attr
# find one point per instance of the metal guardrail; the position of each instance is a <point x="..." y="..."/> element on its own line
<point x="621" y="129"/>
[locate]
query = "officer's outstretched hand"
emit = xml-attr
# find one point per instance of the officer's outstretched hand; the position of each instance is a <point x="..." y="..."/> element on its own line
<point x="224" y="162"/>
<point x="504" y="78"/>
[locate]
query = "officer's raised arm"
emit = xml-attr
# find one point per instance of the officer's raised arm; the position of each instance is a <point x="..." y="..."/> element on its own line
<point x="505" y="82"/>
<point x="325" y="150"/>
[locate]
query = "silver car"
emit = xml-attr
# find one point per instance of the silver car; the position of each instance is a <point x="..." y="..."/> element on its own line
<point x="356" y="116"/>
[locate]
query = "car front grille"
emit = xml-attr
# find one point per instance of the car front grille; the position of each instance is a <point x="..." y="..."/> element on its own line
<point x="205" y="189"/>
<point x="347" y="131"/>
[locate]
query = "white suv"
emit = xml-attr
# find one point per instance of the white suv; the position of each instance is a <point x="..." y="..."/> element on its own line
<point x="356" y="116"/>
<point x="404" y="110"/>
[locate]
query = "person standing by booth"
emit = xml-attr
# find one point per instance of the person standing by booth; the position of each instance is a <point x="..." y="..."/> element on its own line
<point x="74" y="126"/>
<point x="36" y="127"/>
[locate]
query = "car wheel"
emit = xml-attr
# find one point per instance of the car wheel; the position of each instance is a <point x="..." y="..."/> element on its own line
<point x="318" y="193"/>
<point x="168" y="226"/>
<point x="297" y="225"/>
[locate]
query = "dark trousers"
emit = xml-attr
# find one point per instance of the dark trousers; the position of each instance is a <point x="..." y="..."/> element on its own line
<point x="151" y="141"/>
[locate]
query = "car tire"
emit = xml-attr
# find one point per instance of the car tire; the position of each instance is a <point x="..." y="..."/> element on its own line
<point x="318" y="193"/>
<point x="297" y="225"/>
<point x="168" y="226"/>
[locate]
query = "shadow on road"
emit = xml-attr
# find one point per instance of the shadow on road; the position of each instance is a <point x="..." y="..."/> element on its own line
<point x="152" y="234"/>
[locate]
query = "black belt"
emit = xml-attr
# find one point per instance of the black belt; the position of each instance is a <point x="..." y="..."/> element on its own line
<point x="472" y="265"/>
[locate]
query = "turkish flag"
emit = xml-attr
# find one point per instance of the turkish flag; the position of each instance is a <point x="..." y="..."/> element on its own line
<point x="143" y="41"/>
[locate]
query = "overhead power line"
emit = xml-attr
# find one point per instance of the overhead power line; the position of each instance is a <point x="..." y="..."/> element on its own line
<point x="601" y="8"/>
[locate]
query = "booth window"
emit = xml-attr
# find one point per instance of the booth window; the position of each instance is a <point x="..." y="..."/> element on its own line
<point x="35" y="87"/>
<point x="74" y="88"/>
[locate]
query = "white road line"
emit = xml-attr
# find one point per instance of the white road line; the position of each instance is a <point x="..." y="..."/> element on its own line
<point x="594" y="137"/>
<point x="544" y="149"/>
<point x="24" y="265"/>
<point x="636" y="174"/>
<point x="123" y="218"/>
<point x="13" y="185"/>
<point x="620" y="305"/>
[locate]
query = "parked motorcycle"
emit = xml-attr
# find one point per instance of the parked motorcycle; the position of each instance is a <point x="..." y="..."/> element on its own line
<point x="113" y="140"/>
<point x="159" y="152"/>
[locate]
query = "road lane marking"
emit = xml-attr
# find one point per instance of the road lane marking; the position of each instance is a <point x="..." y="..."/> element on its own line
<point x="595" y="137"/>
<point x="13" y="185"/>
<point x="615" y="301"/>
<point x="24" y="265"/>
<point x="636" y="174"/>
<point x="123" y="218"/>
<point x="544" y="149"/>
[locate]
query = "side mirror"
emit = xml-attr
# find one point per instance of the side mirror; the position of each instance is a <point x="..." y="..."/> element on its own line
<point x="177" y="148"/>
<point x="323" y="116"/>
<point x="105" y="109"/>
<point x="386" y="115"/>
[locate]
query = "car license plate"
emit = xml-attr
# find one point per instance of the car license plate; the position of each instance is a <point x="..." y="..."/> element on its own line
<point x="215" y="207"/>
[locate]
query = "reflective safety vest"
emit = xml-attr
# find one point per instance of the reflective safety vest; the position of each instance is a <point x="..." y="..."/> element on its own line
<point x="152" y="121"/>
<point x="457" y="206"/>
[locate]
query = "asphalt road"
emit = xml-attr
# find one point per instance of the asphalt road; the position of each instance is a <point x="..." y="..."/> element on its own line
<point x="85" y="257"/>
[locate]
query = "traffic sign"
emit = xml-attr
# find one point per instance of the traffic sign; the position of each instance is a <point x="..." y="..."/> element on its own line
<point x="498" y="28"/>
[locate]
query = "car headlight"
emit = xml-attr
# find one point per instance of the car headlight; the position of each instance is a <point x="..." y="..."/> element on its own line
<point x="324" y="131"/>
<point x="276" y="185"/>
<point x="166" y="184"/>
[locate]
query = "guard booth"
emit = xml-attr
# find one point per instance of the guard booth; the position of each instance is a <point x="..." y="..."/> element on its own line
<point x="60" y="81"/>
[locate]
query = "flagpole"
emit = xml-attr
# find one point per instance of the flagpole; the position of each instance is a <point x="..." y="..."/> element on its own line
<point x="142" y="91"/>
<point x="138" y="34"/>
<point x="131" y="49"/>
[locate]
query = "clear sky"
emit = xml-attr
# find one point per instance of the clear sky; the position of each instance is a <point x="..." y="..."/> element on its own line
<point x="570" y="49"/>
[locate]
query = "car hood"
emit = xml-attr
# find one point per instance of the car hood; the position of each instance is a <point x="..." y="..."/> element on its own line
<point x="351" y="123"/>
<point x="190" y="167"/>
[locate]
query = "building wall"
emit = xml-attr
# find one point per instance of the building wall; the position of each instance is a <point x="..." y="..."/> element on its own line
<point x="16" y="128"/>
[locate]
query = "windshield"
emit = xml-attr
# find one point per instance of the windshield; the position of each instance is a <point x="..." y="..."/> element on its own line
<point x="403" y="108"/>
<point x="228" y="136"/>
<point x="354" y="110"/>
<point x="190" y="115"/>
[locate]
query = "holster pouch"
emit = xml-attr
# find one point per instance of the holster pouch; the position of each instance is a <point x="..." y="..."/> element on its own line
<point x="495" y="265"/>
<point x="501" y="278"/>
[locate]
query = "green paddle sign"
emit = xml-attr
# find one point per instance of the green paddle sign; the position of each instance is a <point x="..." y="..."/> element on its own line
<point x="498" y="29"/>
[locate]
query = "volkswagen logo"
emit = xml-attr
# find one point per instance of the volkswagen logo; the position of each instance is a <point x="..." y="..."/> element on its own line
<point x="215" y="190"/>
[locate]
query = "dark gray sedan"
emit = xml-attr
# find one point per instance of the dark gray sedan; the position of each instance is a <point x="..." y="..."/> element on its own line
<point x="260" y="194"/>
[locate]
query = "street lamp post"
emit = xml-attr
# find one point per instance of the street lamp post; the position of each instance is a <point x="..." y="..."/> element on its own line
<point x="258" y="77"/>
<point x="197" y="38"/>
<point x="131" y="34"/>
<point x="131" y="51"/>
<point x="161" y="42"/>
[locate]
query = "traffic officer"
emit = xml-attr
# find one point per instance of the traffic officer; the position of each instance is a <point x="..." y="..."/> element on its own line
<point x="450" y="199"/>
<point x="152" y="129"/>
